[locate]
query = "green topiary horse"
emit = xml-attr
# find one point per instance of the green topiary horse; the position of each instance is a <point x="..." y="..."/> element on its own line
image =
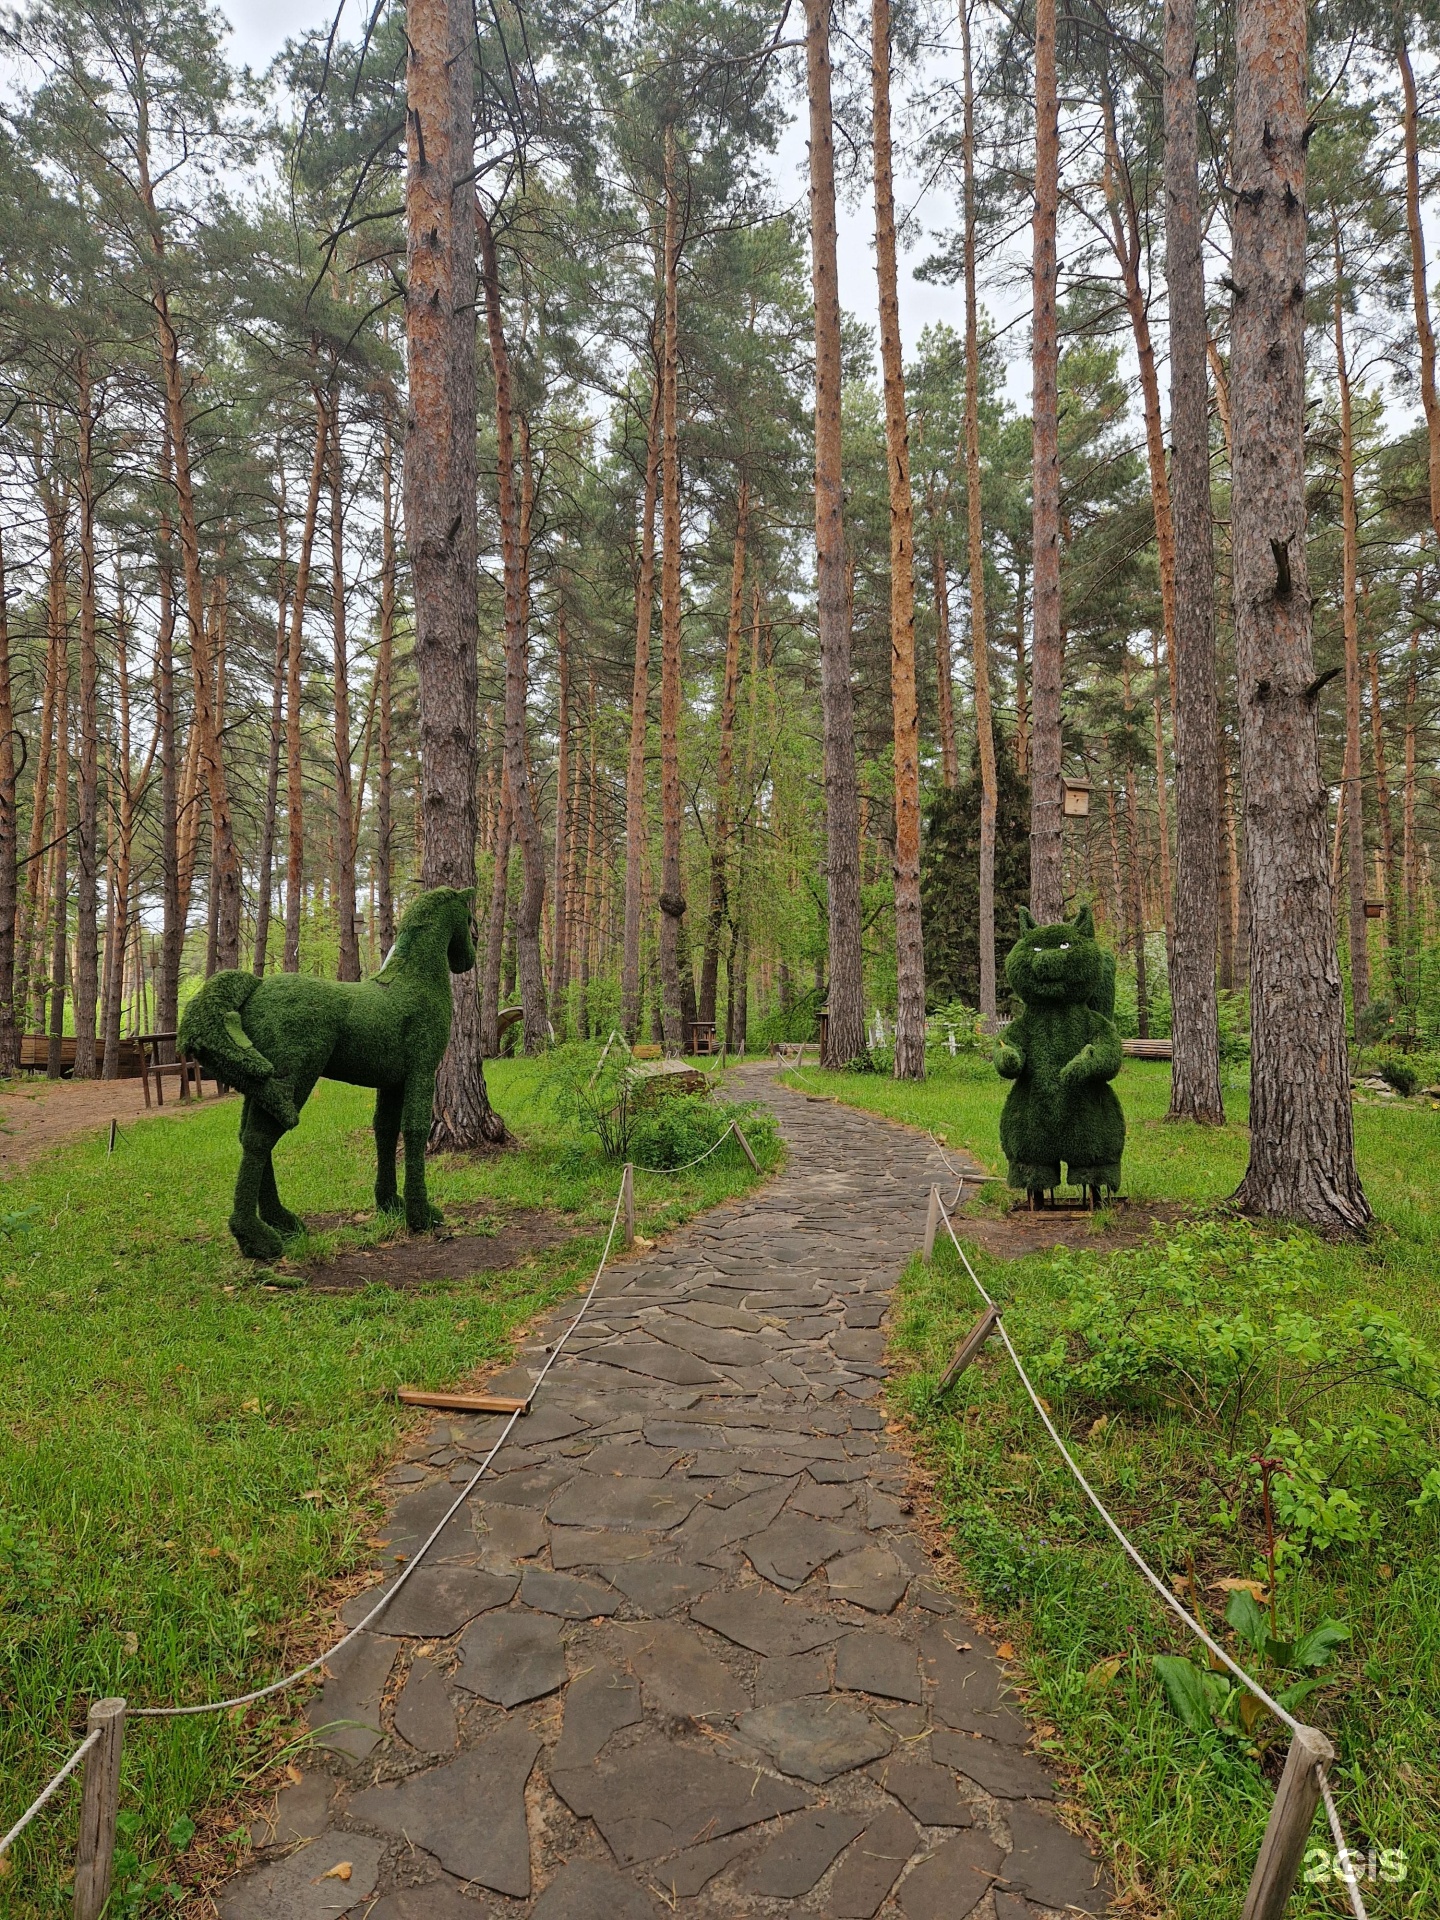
<point x="1061" y="1052"/>
<point x="273" y="1038"/>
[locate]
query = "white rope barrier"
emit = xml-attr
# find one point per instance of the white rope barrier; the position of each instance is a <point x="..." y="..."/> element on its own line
<point x="48" y="1792"/>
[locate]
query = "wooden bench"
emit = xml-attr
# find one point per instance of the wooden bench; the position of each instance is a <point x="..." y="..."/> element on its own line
<point x="152" y="1067"/>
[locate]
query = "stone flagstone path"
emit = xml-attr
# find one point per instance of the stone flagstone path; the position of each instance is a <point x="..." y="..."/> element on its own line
<point x="683" y="1655"/>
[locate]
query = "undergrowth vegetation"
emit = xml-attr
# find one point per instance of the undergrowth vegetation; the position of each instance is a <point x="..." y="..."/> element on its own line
<point x="189" y="1456"/>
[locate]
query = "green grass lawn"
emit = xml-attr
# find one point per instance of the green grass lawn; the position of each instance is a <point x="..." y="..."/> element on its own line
<point x="187" y="1459"/>
<point x="1109" y="1334"/>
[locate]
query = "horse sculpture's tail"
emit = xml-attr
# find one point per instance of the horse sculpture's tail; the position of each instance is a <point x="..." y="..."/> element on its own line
<point x="212" y="1033"/>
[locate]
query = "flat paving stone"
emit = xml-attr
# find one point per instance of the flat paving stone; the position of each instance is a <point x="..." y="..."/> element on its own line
<point x="800" y="1854"/>
<point x="1001" y="1771"/>
<point x="511" y="1657"/>
<point x="634" y="1506"/>
<point x="684" y="1876"/>
<point x="632" y="1460"/>
<point x="659" y="1586"/>
<point x="598" y="1705"/>
<point x="764" y="1623"/>
<point x="658" y="1797"/>
<point x="347" y="1714"/>
<point x="564" y="1595"/>
<point x="879" y="1663"/>
<point x="871" y="1867"/>
<point x="790" y="1676"/>
<point x="1050" y="1864"/>
<point x="788" y="1552"/>
<point x="966" y="1678"/>
<point x="656" y="1361"/>
<point x="815" y="1739"/>
<point x="424" y="1717"/>
<point x="823" y="1503"/>
<point x="706" y="1530"/>
<point x="953" y="1881"/>
<point x="926" y="1790"/>
<point x="679" y="1677"/>
<point x="436" y="1602"/>
<point x="871" y="1577"/>
<point x="531" y="1487"/>
<point x="591" y="1890"/>
<point x="301" y="1812"/>
<point x="296" y="1888"/>
<point x="436" y="1900"/>
<point x="507" y="1534"/>
<point x="469" y="1814"/>
<point x="580" y="1547"/>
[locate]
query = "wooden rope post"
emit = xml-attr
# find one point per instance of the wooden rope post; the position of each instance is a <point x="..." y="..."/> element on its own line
<point x="1283" y="1847"/>
<point x="932" y="1223"/>
<point x="745" y="1146"/>
<point x="968" y="1348"/>
<point x="627" y="1203"/>
<point x="100" y="1802"/>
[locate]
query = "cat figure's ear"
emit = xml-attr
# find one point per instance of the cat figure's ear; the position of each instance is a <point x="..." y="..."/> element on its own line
<point x="1084" y="924"/>
<point x="1027" y="924"/>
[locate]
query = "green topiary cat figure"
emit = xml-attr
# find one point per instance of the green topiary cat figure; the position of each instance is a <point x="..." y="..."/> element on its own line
<point x="1061" y="1053"/>
<point x="273" y="1038"/>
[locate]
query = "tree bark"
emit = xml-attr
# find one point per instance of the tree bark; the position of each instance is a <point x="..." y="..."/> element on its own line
<point x="173" y="911"/>
<point x="635" y="835"/>
<point x="1135" y="892"/>
<point x="944" y="666"/>
<point x="265" y="883"/>
<point x="385" y="670"/>
<point x="846" y="1029"/>
<point x="495" y="929"/>
<point x="349" y="956"/>
<point x="724" y="773"/>
<point x="1195" y="1092"/>
<point x="1047" y="881"/>
<point x="560" y="922"/>
<point x="517" y="661"/>
<point x="87" y="784"/>
<point x="672" y="879"/>
<point x="61" y="864"/>
<point x="1302" y="1157"/>
<point x="1382" y="802"/>
<point x="979" y="639"/>
<point x="905" y="711"/>
<point x="294" y="717"/>
<point x="1419" y="270"/>
<point x="440" y="506"/>
<point x="1359" y="931"/>
<point x="9" y="847"/>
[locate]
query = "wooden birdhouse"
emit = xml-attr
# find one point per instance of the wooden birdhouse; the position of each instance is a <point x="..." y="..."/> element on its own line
<point x="1374" y="909"/>
<point x="1077" y="799"/>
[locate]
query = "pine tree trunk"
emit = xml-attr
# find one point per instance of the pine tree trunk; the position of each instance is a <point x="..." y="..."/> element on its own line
<point x="1230" y="889"/>
<point x="172" y="935"/>
<point x="1302" y="1158"/>
<point x="60" y="896"/>
<point x="265" y="883"/>
<point x="724" y="773"/>
<point x="635" y="835"/>
<point x="31" y="983"/>
<point x="1022" y="699"/>
<point x="846" y="1029"/>
<point x="587" y="910"/>
<point x="385" y="670"/>
<point x="87" y="784"/>
<point x="1047" y="881"/>
<point x="349" y="957"/>
<point x="1195" y="1092"/>
<point x="909" y="945"/>
<point x="1419" y="271"/>
<point x="495" y="930"/>
<point x="517" y="662"/>
<point x="1408" y="849"/>
<point x="560" y="925"/>
<point x="1382" y="803"/>
<point x="9" y="844"/>
<point x="124" y="832"/>
<point x="944" y="666"/>
<point x="1135" y="892"/>
<point x="672" y="879"/>
<point x="979" y="638"/>
<point x="1359" y="931"/>
<point x="294" y="691"/>
<point x="440" y="504"/>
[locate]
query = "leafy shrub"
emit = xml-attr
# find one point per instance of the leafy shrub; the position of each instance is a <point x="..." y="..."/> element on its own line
<point x="678" y="1128"/>
<point x="799" y="1021"/>
<point x="597" y="1092"/>
<point x="1205" y="1696"/>
<point x="1397" y="1072"/>
<point x="1211" y="1325"/>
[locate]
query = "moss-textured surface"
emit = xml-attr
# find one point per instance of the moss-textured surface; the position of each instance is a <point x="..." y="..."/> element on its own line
<point x="274" y="1038"/>
<point x="1061" y="1052"/>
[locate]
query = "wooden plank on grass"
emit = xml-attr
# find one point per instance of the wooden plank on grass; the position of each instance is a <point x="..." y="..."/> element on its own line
<point x="968" y="1348"/>
<point x="462" y="1402"/>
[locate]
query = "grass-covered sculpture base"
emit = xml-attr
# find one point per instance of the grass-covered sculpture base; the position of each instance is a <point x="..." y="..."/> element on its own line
<point x="1061" y="1052"/>
<point x="273" y="1038"/>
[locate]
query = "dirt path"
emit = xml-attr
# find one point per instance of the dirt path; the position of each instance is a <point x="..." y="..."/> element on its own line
<point x="683" y="1655"/>
<point x="40" y="1114"/>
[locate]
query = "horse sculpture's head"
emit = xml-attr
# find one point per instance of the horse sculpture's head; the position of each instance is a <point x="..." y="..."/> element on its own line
<point x="442" y="914"/>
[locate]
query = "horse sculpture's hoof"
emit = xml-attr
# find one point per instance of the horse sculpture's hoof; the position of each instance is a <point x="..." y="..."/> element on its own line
<point x="285" y="1223"/>
<point x="423" y="1219"/>
<point x="254" y="1239"/>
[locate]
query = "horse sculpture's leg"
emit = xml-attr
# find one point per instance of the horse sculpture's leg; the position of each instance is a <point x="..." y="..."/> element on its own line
<point x="419" y="1106"/>
<point x="258" y="1135"/>
<point x="273" y="1211"/>
<point x="389" y="1111"/>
